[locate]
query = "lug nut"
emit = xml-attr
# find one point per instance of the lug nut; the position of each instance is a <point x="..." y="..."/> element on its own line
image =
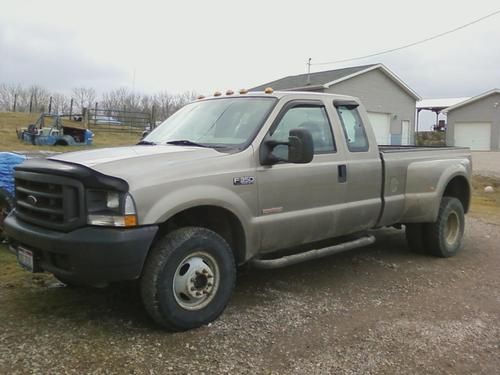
<point x="192" y="280"/>
<point x="205" y="271"/>
<point x="193" y="289"/>
<point x="198" y="294"/>
<point x="209" y="284"/>
<point x="209" y="276"/>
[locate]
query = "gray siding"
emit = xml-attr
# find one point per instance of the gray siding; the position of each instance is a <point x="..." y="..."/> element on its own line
<point x="486" y="109"/>
<point x="379" y="93"/>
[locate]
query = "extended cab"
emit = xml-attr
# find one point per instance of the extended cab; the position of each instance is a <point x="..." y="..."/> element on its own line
<point x="266" y="178"/>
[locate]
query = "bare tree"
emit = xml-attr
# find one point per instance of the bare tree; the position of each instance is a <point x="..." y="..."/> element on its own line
<point x="60" y="103"/>
<point x="84" y="96"/>
<point x="39" y="98"/>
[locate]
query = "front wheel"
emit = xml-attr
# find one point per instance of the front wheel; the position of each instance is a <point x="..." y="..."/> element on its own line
<point x="188" y="278"/>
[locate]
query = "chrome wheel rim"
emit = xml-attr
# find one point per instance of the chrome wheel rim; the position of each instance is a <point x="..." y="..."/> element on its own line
<point x="196" y="281"/>
<point x="452" y="228"/>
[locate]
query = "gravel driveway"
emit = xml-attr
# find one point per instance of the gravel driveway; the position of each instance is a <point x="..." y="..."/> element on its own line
<point x="380" y="309"/>
<point x="486" y="163"/>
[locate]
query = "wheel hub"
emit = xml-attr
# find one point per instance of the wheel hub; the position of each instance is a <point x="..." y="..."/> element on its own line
<point x="196" y="281"/>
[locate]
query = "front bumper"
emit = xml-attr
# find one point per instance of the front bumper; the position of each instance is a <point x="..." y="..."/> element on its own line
<point x="89" y="255"/>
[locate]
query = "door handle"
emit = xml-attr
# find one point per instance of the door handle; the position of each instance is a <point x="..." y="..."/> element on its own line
<point x="342" y="173"/>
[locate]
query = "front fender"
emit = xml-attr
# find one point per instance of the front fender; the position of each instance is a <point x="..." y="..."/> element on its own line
<point x="184" y="198"/>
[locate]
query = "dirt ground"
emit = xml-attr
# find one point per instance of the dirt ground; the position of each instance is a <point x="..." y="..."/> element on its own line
<point x="379" y="309"/>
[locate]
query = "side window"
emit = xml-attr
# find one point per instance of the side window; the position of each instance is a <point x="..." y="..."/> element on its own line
<point x="354" y="130"/>
<point x="312" y="118"/>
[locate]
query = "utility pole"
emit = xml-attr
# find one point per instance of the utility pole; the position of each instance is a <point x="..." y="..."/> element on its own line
<point x="309" y="71"/>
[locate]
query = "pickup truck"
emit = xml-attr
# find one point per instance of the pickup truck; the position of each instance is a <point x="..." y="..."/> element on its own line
<point x="265" y="178"/>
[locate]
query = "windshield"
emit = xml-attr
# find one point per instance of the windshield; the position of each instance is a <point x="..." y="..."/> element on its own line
<point x="228" y="122"/>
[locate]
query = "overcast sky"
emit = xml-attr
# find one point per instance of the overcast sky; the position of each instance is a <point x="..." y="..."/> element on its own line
<point x="218" y="44"/>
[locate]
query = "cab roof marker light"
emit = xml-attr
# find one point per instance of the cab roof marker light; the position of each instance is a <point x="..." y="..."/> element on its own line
<point x="269" y="90"/>
<point x="229" y="92"/>
<point x="243" y="91"/>
<point x="217" y="93"/>
<point x="201" y="97"/>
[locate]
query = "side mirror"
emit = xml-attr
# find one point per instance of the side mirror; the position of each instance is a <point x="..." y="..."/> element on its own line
<point x="300" y="148"/>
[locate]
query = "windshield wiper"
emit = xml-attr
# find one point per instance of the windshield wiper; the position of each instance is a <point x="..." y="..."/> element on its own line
<point x="185" y="142"/>
<point x="147" y="143"/>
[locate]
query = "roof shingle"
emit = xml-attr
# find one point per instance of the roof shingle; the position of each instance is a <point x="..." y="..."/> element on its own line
<point x="318" y="78"/>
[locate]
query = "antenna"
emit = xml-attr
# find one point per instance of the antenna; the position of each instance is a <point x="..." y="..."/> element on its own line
<point x="309" y="71"/>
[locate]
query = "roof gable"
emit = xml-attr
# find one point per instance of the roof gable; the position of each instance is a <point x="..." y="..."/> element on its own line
<point x="472" y="100"/>
<point x="315" y="79"/>
<point x="329" y="78"/>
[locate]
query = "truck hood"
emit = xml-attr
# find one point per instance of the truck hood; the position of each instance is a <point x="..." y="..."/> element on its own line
<point x="121" y="161"/>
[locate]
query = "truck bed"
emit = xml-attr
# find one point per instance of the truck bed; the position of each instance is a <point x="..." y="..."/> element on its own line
<point x="413" y="180"/>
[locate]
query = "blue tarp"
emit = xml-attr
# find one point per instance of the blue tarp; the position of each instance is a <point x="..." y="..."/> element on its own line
<point x="8" y="161"/>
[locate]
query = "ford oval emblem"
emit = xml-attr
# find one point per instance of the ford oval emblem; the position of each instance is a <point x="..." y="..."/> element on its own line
<point x="32" y="200"/>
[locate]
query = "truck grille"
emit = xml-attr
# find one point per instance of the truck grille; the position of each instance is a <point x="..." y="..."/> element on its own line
<point x="49" y="201"/>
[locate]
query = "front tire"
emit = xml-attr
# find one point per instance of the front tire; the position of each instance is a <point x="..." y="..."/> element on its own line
<point x="188" y="278"/>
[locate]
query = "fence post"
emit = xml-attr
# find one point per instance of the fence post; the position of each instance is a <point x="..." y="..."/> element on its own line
<point x="71" y="109"/>
<point x="95" y="114"/>
<point x="15" y="102"/>
<point x="85" y="117"/>
<point x="50" y="105"/>
<point x="153" y="118"/>
<point x="31" y="102"/>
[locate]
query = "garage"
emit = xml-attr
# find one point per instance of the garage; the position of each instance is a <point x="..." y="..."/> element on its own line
<point x="474" y="135"/>
<point x="381" y="124"/>
<point x="475" y="122"/>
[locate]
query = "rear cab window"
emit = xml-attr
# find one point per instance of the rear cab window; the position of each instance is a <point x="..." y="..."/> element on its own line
<point x="353" y="127"/>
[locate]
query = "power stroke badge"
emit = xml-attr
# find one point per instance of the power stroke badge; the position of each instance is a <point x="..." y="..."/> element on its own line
<point x="245" y="180"/>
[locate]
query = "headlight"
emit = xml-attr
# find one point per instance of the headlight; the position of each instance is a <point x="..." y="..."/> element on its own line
<point x="110" y="208"/>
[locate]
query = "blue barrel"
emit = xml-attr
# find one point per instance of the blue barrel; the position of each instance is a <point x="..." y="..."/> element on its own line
<point x="8" y="161"/>
<point x="89" y="137"/>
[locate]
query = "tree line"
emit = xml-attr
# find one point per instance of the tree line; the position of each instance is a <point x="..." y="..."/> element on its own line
<point x="35" y="98"/>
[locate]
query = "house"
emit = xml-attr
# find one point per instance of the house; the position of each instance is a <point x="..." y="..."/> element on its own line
<point x="389" y="101"/>
<point x="475" y="122"/>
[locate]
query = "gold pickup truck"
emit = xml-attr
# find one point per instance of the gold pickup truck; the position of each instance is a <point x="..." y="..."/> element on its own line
<point x="266" y="178"/>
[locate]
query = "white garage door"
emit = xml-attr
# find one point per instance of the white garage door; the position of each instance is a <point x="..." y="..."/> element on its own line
<point x="381" y="124"/>
<point x="476" y="135"/>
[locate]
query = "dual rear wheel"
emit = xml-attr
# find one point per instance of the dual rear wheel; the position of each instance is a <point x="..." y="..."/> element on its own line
<point x="443" y="238"/>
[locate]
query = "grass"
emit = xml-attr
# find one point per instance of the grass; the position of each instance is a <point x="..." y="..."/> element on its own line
<point x="10" y="121"/>
<point x="486" y="205"/>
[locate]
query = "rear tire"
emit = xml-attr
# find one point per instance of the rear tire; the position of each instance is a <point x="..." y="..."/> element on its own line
<point x="444" y="237"/>
<point x="188" y="278"/>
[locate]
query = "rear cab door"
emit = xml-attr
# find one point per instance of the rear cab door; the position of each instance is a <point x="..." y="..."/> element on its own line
<point x="362" y="205"/>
